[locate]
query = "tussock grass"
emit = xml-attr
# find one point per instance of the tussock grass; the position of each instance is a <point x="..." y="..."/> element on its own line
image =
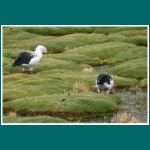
<point x="57" y="31"/>
<point x="37" y="119"/>
<point x="121" y="82"/>
<point x="88" y="68"/>
<point x="126" y="118"/>
<point x="18" y="39"/>
<point x="75" y="103"/>
<point x="131" y="33"/>
<point x="143" y="83"/>
<point x="110" y="30"/>
<point x="109" y="53"/>
<point x="79" y="87"/>
<point x="136" y="68"/>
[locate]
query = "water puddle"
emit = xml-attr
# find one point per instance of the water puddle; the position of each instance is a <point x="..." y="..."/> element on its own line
<point x="133" y="106"/>
<point x="133" y="109"/>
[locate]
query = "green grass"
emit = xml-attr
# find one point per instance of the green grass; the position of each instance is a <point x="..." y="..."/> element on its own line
<point x="18" y="39"/>
<point x="102" y="54"/>
<point x="57" y="31"/>
<point x="38" y="119"/>
<point x="143" y="83"/>
<point x="51" y="82"/>
<point x="134" y="32"/>
<point x="74" y="103"/>
<point x="122" y="82"/>
<point x="110" y="30"/>
<point x="136" y="68"/>
<point x="68" y="70"/>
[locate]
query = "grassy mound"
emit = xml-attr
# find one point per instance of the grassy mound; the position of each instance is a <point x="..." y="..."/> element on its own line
<point x="53" y="81"/>
<point x="136" y="68"/>
<point x="110" y="30"/>
<point x="71" y="104"/>
<point x="143" y="83"/>
<point x="38" y="119"/>
<point x="122" y="82"/>
<point x="57" y="31"/>
<point x="19" y="39"/>
<point x="107" y="53"/>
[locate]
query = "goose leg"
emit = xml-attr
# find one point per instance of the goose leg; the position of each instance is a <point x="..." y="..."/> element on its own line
<point x="98" y="89"/>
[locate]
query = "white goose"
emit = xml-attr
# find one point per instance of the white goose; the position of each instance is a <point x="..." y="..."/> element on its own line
<point x="30" y="59"/>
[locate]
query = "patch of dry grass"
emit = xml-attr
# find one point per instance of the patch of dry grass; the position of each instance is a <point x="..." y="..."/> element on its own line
<point x="126" y="118"/>
<point x="88" y="68"/>
<point x="80" y="86"/>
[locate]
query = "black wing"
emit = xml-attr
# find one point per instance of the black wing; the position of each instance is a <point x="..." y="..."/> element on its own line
<point x="23" y="58"/>
<point x="103" y="78"/>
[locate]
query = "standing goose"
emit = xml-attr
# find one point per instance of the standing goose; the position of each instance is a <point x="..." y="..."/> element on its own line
<point x="30" y="59"/>
<point x="104" y="81"/>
